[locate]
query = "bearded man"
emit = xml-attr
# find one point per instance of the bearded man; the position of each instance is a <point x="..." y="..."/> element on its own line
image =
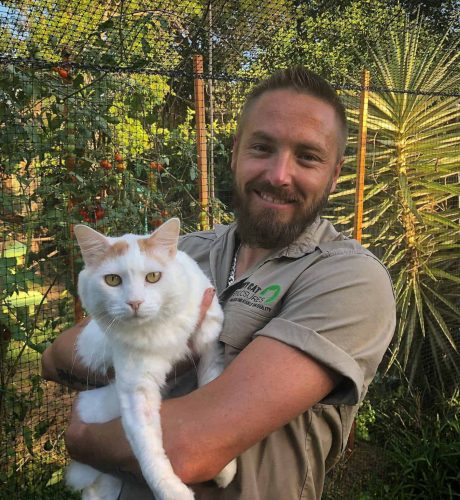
<point x="308" y="312"/>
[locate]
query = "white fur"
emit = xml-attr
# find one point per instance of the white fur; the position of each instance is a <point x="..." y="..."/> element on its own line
<point x="142" y="346"/>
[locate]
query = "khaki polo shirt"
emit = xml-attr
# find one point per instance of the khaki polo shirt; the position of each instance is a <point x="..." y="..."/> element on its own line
<point x="325" y="295"/>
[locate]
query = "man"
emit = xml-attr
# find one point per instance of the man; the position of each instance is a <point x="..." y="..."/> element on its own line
<point x="308" y="316"/>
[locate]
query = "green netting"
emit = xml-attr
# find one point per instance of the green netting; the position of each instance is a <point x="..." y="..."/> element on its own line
<point x="98" y="125"/>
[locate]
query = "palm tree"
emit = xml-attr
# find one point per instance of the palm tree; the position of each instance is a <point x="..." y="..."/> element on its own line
<point x="411" y="204"/>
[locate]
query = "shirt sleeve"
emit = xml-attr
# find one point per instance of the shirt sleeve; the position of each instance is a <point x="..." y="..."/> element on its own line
<point x="341" y="312"/>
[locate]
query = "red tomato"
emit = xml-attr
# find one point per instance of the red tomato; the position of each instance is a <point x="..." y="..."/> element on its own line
<point x="154" y="165"/>
<point x="63" y="73"/>
<point x="105" y="164"/>
<point x="99" y="213"/>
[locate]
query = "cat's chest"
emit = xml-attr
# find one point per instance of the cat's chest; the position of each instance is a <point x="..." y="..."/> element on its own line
<point x="135" y="368"/>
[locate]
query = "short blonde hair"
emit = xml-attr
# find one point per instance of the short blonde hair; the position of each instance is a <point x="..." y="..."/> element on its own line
<point x="302" y="80"/>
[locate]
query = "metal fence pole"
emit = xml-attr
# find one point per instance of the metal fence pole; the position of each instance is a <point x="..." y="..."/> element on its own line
<point x="201" y="141"/>
<point x="361" y="157"/>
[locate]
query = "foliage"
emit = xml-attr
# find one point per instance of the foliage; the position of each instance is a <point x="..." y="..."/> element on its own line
<point x="421" y="437"/>
<point x="366" y="416"/>
<point x="97" y="126"/>
<point x="331" y="38"/>
<point x="411" y="198"/>
<point x="442" y="15"/>
<point x="411" y="449"/>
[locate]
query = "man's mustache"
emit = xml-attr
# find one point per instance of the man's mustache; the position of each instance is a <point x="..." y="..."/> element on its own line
<point x="278" y="192"/>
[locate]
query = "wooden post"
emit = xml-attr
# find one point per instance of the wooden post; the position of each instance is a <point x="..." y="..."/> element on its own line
<point x="201" y="141"/>
<point x="361" y="157"/>
<point x="359" y="196"/>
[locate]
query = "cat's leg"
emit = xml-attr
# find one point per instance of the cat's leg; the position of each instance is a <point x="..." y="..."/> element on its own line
<point x="106" y="487"/>
<point x="205" y="343"/>
<point x="211" y="363"/>
<point x="94" y="350"/>
<point x="99" y="405"/>
<point x="79" y="476"/>
<point x="93" y="484"/>
<point x="226" y="475"/>
<point x="140" y="407"/>
<point x="210" y="366"/>
<point x="95" y="406"/>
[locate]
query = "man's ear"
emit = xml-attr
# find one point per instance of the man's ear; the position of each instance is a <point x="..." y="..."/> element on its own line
<point x="336" y="174"/>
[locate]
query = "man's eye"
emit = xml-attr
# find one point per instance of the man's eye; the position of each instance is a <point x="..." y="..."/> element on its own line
<point x="260" y="148"/>
<point x="307" y="157"/>
<point x="112" y="279"/>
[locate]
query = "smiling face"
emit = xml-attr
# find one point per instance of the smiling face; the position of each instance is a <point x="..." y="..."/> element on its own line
<point x="286" y="162"/>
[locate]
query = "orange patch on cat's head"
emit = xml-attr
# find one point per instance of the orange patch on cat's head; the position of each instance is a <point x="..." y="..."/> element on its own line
<point x="117" y="249"/>
<point x="143" y="245"/>
<point x="146" y="247"/>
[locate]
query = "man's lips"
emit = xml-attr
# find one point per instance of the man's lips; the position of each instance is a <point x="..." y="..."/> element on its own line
<point x="272" y="199"/>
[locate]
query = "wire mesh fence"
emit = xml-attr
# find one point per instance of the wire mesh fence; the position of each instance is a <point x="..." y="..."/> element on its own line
<point x="98" y="125"/>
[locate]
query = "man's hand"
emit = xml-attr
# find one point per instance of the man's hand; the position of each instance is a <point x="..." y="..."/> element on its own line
<point x="103" y="446"/>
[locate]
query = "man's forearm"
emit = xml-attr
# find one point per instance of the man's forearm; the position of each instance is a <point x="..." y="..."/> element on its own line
<point x="60" y="363"/>
<point x="204" y="430"/>
<point x="103" y="446"/>
<point x="106" y="448"/>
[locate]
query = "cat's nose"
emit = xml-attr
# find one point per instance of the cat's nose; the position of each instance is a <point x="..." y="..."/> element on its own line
<point x="135" y="304"/>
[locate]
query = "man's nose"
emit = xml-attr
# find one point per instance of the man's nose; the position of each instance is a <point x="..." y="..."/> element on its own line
<point x="281" y="169"/>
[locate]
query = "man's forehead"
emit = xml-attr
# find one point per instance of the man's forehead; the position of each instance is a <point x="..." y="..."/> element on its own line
<point x="278" y="103"/>
<point x="300" y="109"/>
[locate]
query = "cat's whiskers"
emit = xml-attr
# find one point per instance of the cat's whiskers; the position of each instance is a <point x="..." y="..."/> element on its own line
<point x="192" y="359"/>
<point x="74" y="359"/>
<point x="115" y="321"/>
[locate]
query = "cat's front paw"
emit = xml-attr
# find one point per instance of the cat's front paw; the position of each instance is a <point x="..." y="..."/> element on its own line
<point x="173" y="489"/>
<point x="226" y="475"/>
<point x="79" y="476"/>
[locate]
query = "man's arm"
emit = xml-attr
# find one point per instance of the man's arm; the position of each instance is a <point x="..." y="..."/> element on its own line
<point x="267" y="385"/>
<point x="60" y="361"/>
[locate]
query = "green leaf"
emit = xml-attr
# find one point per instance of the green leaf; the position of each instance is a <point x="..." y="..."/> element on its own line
<point x="446" y="275"/>
<point x="28" y="439"/>
<point x="56" y="477"/>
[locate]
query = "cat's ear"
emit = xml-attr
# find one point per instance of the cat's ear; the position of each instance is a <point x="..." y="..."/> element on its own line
<point x="93" y="245"/>
<point x="166" y="238"/>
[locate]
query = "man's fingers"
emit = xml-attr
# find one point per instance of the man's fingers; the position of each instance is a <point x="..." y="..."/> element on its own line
<point x="208" y="297"/>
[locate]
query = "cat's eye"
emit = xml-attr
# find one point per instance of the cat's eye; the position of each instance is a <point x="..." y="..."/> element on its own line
<point x="152" y="277"/>
<point x="112" y="279"/>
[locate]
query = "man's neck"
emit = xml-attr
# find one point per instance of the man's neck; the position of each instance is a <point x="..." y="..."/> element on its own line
<point x="249" y="257"/>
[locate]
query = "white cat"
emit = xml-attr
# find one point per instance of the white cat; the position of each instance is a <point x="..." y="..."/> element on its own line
<point x="144" y="298"/>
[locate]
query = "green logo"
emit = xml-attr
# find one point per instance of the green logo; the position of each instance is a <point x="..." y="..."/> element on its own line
<point x="272" y="291"/>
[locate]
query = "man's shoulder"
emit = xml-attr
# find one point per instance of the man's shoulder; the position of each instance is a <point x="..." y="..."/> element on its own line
<point x="330" y="241"/>
<point x="330" y="251"/>
<point x="198" y="241"/>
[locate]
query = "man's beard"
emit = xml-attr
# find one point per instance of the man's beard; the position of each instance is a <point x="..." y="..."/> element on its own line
<point x="264" y="229"/>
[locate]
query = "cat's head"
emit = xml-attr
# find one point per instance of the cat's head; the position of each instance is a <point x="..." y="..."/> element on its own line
<point x="130" y="279"/>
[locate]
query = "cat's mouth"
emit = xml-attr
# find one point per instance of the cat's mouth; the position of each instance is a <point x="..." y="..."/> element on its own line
<point x="135" y="317"/>
<point x="125" y="320"/>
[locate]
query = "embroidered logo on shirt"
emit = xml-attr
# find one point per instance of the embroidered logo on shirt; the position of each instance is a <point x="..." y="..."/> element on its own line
<point x="272" y="291"/>
<point x="252" y="295"/>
